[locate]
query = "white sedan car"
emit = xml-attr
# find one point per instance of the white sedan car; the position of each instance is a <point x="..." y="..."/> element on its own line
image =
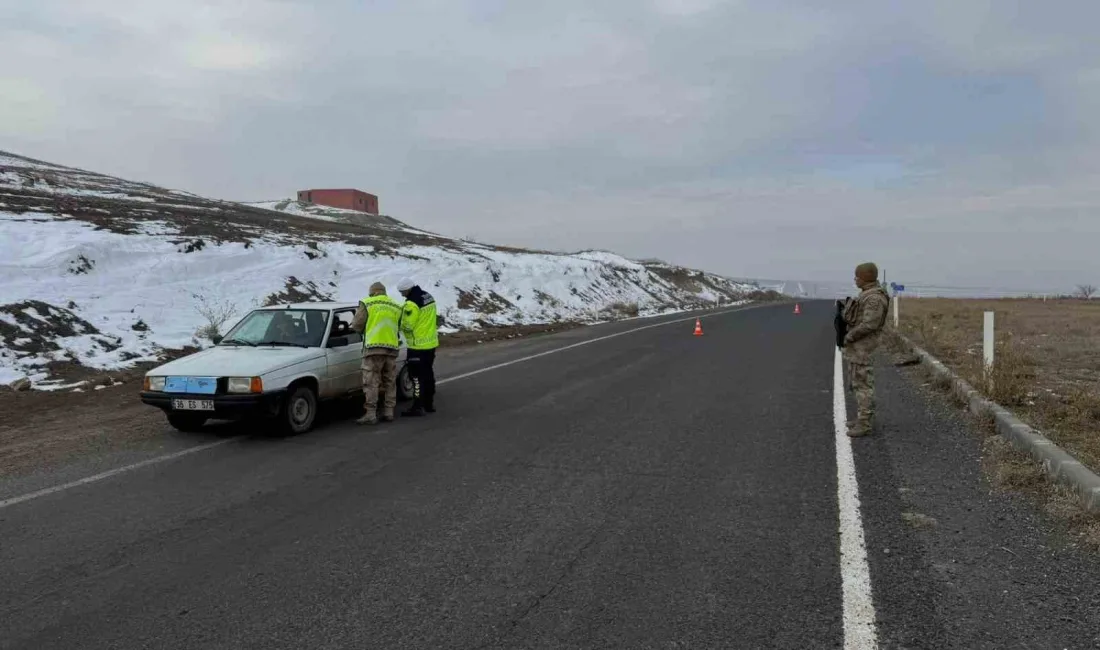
<point x="277" y="363"/>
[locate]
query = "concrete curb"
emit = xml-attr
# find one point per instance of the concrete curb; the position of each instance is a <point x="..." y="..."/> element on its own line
<point x="1058" y="465"/>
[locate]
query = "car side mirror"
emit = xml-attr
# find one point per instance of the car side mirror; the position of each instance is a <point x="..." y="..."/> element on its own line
<point x="216" y="339"/>
<point x="337" y="341"/>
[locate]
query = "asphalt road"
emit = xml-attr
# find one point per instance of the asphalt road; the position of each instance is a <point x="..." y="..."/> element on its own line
<point x="648" y="490"/>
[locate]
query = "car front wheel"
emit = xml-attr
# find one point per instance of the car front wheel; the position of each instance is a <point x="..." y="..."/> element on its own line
<point x="186" y="422"/>
<point x="299" y="410"/>
<point x="404" y="384"/>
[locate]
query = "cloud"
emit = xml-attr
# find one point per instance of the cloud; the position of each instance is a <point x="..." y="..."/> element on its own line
<point x="777" y="138"/>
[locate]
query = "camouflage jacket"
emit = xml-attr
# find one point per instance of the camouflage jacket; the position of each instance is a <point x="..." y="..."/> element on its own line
<point x="865" y="316"/>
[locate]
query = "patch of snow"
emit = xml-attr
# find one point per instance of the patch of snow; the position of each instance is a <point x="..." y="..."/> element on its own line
<point x="300" y="209"/>
<point x="57" y="384"/>
<point x="101" y="194"/>
<point x="10" y="161"/>
<point x="156" y="228"/>
<point x="336" y="215"/>
<point x="188" y="206"/>
<point x="9" y="374"/>
<point x="33" y="313"/>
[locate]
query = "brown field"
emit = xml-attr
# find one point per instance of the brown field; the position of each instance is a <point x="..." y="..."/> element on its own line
<point x="1047" y="360"/>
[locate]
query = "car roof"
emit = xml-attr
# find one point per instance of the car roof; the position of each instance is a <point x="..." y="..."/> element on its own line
<point x="312" y="305"/>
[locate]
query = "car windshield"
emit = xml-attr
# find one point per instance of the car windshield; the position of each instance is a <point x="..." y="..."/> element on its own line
<point x="280" y="327"/>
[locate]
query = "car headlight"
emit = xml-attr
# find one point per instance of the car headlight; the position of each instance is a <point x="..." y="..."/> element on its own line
<point x="245" y="385"/>
<point x="154" y="384"/>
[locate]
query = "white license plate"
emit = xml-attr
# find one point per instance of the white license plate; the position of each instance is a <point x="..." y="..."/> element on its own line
<point x="193" y="404"/>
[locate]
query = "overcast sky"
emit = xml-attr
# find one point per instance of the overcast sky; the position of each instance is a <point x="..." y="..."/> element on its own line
<point x="953" y="141"/>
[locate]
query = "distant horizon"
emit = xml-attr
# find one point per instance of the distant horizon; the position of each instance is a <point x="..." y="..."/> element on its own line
<point x="827" y="288"/>
<point x="836" y="289"/>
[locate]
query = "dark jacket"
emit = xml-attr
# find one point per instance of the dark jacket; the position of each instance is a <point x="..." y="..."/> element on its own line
<point x="419" y="297"/>
<point x="839" y="324"/>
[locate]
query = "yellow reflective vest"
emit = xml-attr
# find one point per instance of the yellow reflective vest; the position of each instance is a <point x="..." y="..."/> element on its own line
<point x="383" y="323"/>
<point x="419" y="324"/>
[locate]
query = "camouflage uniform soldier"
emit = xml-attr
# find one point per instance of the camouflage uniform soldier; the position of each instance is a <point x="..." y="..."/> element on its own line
<point x="378" y="319"/>
<point x="865" y="317"/>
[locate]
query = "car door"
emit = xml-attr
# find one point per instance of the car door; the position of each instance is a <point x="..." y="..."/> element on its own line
<point x="344" y="353"/>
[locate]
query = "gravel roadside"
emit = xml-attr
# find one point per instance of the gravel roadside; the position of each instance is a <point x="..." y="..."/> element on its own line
<point x="956" y="561"/>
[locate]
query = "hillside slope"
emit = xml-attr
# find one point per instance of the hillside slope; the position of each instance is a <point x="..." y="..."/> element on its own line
<point x="102" y="272"/>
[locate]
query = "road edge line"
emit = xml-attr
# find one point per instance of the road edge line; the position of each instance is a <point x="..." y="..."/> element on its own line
<point x="855" y="576"/>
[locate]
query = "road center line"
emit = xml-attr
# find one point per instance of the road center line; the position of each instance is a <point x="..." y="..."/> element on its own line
<point x="22" y="498"/>
<point x="582" y="343"/>
<point x="859" y="609"/>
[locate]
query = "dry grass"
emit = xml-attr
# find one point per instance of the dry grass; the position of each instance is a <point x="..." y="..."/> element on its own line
<point x="1010" y="469"/>
<point x="1047" y="367"/>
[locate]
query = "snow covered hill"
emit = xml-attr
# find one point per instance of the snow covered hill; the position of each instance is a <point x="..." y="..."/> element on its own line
<point x="98" y="272"/>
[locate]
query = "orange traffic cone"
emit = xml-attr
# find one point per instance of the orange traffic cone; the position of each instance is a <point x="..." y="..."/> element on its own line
<point x="797" y="310"/>
<point x="698" y="327"/>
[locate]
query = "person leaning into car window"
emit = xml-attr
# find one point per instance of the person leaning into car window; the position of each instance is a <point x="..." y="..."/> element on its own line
<point x="378" y="319"/>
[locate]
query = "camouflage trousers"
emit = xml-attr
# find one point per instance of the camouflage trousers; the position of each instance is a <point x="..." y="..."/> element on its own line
<point x="862" y="384"/>
<point x="379" y="375"/>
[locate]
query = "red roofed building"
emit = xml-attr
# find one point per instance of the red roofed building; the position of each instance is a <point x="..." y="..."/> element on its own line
<point x="346" y="199"/>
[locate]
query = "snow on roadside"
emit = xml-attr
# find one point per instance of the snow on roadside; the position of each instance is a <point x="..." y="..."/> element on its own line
<point x="144" y="292"/>
<point x="107" y="291"/>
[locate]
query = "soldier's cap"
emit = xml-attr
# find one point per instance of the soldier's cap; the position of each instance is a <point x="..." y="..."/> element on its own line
<point x="867" y="271"/>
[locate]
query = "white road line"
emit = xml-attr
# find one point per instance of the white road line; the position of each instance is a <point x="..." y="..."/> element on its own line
<point x="588" y="342"/>
<point x="191" y="450"/>
<point x="108" y="474"/>
<point x="859" y="608"/>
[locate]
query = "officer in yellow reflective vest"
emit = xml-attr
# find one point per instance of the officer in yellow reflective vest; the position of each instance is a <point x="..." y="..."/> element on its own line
<point x="420" y="326"/>
<point x="378" y="319"/>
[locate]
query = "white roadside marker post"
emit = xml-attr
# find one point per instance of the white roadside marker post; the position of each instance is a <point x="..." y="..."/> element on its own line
<point x="987" y="348"/>
<point x="897" y="299"/>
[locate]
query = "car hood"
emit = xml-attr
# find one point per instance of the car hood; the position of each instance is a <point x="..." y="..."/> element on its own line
<point x="236" y="361"/>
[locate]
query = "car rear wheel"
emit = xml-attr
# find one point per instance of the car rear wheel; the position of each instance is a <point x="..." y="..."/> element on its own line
<point x="404" y="384"/>
<point x="186" y="422"/>
<point x="299" y="410"/>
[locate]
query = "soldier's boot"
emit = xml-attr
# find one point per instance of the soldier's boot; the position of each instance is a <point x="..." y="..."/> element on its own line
<point x="368" y="419"/>
<point x="860" y="428"/>
<point x="429" y="405"/>
<point x="387" y="417"/>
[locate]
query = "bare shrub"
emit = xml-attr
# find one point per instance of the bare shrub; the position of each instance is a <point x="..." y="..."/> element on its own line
<point x="1086" y="291"/>
<point x="928" y="331"/>
<point x="623" y="310"/>
<point x="216" y="313"/>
